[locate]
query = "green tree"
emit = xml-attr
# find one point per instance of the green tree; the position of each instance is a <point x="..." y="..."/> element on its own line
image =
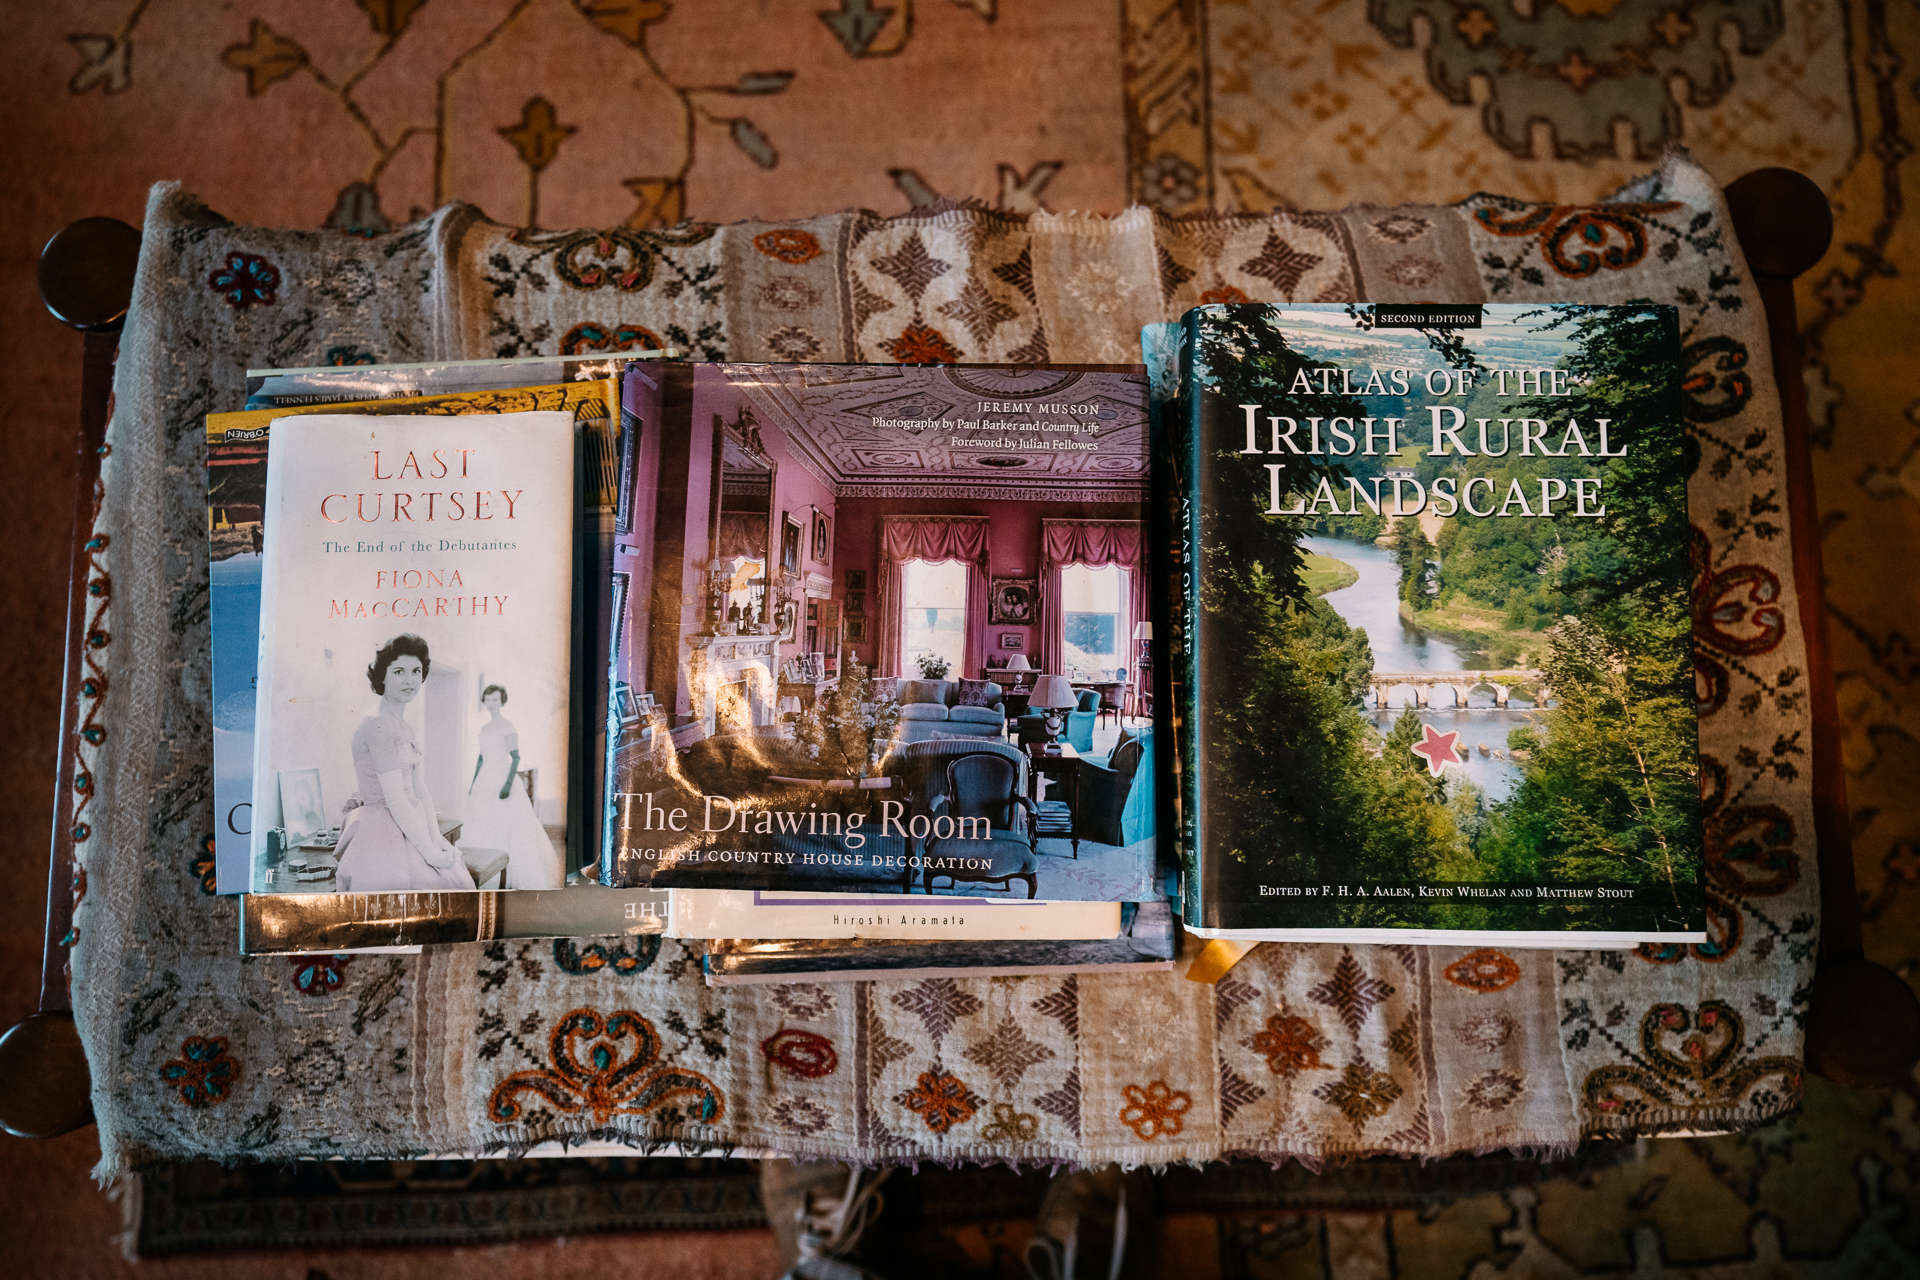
<point x="1412" y="551"/>
<point x="1625" y="363"/>
<point x="1346" y="652"/>
<point x="1611" y="791"/>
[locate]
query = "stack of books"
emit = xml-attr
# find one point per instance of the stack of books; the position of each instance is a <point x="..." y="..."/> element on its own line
<point x="608" y="645"/>
<point x="848" y="671"/>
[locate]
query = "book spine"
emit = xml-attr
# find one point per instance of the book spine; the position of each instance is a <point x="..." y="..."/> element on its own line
<point x="624" y="702"/>
<point x="1183" y="495"/>
<point x="595" y="476"/>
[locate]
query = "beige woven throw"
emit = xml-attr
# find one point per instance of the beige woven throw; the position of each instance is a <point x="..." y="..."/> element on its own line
<point x="1301" y="1051"/>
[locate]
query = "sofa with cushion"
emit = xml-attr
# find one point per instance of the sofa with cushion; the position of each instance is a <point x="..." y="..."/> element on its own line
<point x="975" y="708"/>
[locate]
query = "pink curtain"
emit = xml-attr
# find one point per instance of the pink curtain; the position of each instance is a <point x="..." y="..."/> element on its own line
<point x="1094" y="543"/>
<point x="934" y="539"/>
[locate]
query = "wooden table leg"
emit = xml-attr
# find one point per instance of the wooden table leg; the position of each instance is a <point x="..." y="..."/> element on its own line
<point x="86" y="280"/>
<point x="1863" y="1024"/>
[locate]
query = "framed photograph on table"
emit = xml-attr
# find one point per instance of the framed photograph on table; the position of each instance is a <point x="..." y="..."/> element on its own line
<point x="1014" y="602"/>
<point x="301" y="811"/>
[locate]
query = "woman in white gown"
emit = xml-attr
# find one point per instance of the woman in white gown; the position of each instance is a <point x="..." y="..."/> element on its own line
<point x="499" y="812"/>
<point x="391" y="840"/>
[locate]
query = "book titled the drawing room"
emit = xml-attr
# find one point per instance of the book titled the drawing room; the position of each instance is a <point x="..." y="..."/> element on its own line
<point x="415" y="606"/>
<point x="866" y="619"/>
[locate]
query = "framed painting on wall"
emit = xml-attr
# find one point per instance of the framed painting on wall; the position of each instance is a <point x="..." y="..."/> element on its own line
<point x="1013" y="641"/>
<point x="856" y="630"/>
<point x="856" y="602"/>
<point x="822" y="538"/>
<point x="789" y="543"/>
<point x="1013" y="602"/>
<point x="856" y="579"/>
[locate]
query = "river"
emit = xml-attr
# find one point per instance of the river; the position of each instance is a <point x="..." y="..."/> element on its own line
<point x="1373" y="603"/>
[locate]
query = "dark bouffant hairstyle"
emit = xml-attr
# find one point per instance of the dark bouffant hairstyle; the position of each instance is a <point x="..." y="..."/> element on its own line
<point x="399" y="646"/>
<point x="494" y="688"/>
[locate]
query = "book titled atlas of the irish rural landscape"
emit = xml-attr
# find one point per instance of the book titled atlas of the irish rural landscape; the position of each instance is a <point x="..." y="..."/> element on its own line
<point x="1430" y="657"/>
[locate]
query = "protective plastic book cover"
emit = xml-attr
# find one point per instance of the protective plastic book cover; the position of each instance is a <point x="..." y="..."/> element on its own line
<point x="338" y="383"/>
<point x="237" y="536"/>
<point x="1146" y="941"/>
<point x="330" y="923"/>
<point x="415" y="626"/>
<point x="1431" y="639"/>
<point x="876" y="630"/>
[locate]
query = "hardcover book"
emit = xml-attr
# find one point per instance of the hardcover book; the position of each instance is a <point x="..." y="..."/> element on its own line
<point x="1430" y="649"/>
<point x="1145" y="941"/>
<point x="334" y="383"/>
<point x="874" y="632"/>
<point x="773" y="913"/>
<point x="415" y="626"/>
<point x="236" y="495"/>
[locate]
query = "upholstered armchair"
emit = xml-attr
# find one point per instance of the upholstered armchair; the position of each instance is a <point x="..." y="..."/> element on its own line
<point x="983" y="786"/>
<point x="1079" y="727"/>
<point x="1116" y="793"/>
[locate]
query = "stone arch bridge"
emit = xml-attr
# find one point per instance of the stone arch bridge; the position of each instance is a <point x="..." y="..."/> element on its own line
<point x="1458" y="683"/>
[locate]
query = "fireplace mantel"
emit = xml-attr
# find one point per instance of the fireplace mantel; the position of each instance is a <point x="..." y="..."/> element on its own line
<point x="744" y="664"/>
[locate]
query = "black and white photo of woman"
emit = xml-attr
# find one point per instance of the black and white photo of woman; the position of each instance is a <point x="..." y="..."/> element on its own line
<point x="391" y="840"/>
<point x="499" y="811"/>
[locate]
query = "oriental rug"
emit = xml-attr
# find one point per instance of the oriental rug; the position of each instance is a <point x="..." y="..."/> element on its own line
<point x="588" y="114"/>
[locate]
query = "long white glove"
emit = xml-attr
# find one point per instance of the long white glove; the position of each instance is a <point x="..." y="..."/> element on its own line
<point x="413" y="824"/>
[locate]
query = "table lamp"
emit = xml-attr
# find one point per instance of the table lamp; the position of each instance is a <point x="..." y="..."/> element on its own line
<point x="1019" y="665"/>
<point x="1143" y="632"/>
<point x="1054" y="696"/>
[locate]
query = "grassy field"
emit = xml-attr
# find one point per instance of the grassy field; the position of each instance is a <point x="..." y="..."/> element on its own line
<point x="1484" y="632"/>
<point x="1322" y="574"/>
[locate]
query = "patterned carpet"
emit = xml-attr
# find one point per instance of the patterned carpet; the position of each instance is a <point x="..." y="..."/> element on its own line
<point x="573" y="113"/>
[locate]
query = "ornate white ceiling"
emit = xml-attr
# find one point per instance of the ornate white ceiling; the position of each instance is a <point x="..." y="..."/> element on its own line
<point x="903" y="431"/>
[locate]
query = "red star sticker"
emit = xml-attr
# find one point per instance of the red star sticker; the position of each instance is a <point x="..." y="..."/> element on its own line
<point x="1439" y="749"/>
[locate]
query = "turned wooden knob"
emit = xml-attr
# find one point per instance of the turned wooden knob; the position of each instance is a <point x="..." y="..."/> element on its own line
<point x="86" y="273"/>
<point x="44" y="1087"/>
<point x="1782" y="219"/>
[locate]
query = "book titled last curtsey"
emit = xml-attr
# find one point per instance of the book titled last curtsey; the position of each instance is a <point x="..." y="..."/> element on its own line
<point x="415" y="620"/>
